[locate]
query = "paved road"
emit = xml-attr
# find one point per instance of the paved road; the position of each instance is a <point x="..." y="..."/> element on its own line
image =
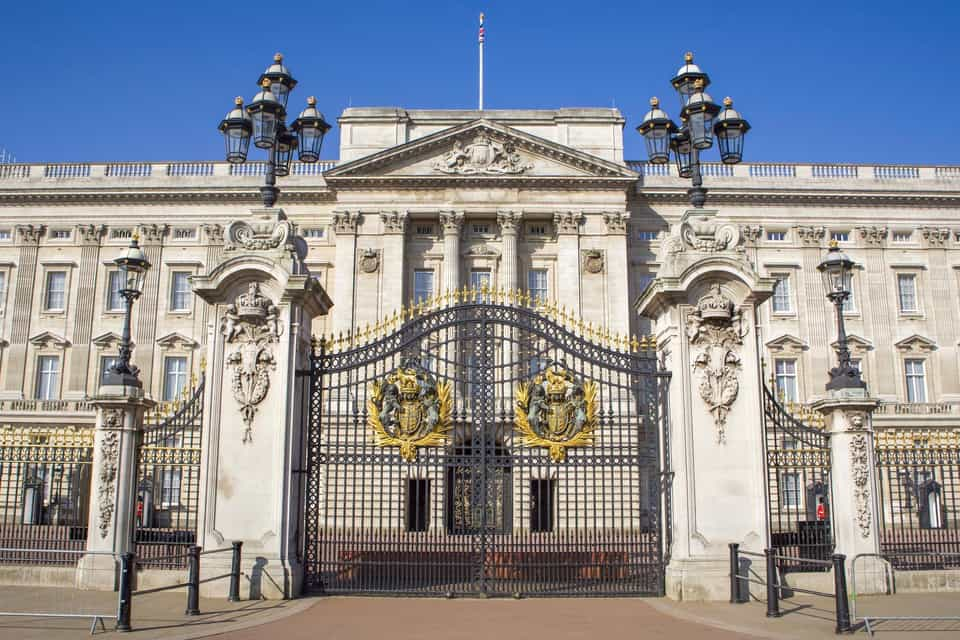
<point x="470" y="619"/>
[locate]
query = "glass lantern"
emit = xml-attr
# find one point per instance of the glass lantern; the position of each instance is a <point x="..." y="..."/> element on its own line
<point x="280" y="81"/>
<point x="310" y="128"/>
<point x="236" y="128"/>
<point x="266" y="113"/>
<point x="657" y="129"/>
<point x="730" y="130"/>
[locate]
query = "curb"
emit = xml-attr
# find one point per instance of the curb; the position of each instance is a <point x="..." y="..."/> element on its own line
<point x="211" y="629"/>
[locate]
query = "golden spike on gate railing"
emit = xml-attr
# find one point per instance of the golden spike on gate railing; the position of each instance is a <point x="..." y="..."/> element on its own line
<point x="527" y="301"/>
<point x="653" y="342"/>
<point x="484" y="292"/>
<point x="501" y="295"/>
<point x="644" y="344"/>
<point x="634" y="344"/>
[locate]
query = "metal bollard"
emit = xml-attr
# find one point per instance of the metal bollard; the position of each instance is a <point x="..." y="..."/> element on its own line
<point x="235" y="572"/>
<point x="126" y="591"/>
<point x="734" y="573"/>
<point x="840" y="593"/>
<point x="773" y="592"/>
<point x="193" y="581"/>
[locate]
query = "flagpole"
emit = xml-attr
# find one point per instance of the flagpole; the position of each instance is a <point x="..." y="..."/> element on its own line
<point x="481" y="62"/>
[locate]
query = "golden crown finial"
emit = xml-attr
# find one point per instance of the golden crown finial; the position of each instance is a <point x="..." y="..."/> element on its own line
<point x="312" y="101"/>
<point x="278" y="57"/>
<point x="728" y="102"/>
<point x="654" y="102"/>
<point x="688" y="57"/>
<point x="238" y="101"/>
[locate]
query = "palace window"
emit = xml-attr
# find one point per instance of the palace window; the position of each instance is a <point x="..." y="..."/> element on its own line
<point x="169" y="488"/>
<point x="314" y="233"/>
<point x="174" y="377"/>
<point x="543" y="499"/>
<point x="857" y="364"/>
<point x="5" y="234"/>
<point x="781" y="294"/>
<point x="850" y="303"/>
<point x="106" y="364"/>
<point x="790" y="490"/>
<point x="424" y="229"/>
<point x="114" y="285"/>
<point x="907" y="292"/>
<point x="48" y="377"/>
<point x="56" y="296"/>
<point x="422" y="285"/>
<point x="536" y="364"/>
<point x="786" y="379"/>
<point x="777" y="236"/>
<point x="902" y="236"/>
<point x="184" y="233"/>
<point x="480" y="228"/>
<point x="647" y="235"/>
<point x="181" y="295"/>
<point x="916" y="379"/>
<point x="840" y="236"/>
<point x="121" y="234"/>
<point x="537" y="283"/>
<point x="537" y="229"/>
<point x="480" y="278"/>
<point x="60" y="234"/>
<point x="418" y="504"/>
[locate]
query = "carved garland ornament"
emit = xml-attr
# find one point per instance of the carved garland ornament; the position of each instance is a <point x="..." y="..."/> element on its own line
<point x="484" y="156"/>
<point x="410" y="409"/>
<point x="252" y="323"/>
<point x="556" y="412"/>
<point x="257" y="237"/>
<point x="716" y="328"/>
<point x="109" y="453"/>
<point x="861" y="482"/>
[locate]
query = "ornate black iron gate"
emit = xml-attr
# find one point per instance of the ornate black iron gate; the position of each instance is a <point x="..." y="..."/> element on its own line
<point x="484" y="448"/>
<point x="798" y="486"/>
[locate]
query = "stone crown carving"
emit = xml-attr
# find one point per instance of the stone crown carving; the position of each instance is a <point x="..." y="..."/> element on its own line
<point x="484" y="156"/>
<point x="715" y="307"/>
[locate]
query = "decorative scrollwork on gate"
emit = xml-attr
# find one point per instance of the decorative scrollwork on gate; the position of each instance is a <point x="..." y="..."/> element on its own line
<point x="556" y="412"/>
<point x="410" y="409"/>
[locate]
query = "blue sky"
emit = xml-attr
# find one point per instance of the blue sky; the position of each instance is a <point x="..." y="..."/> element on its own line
<point x="819" y="81"/>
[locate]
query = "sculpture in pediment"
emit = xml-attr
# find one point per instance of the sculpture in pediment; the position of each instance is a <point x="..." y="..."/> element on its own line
<point x="484" y="156"/>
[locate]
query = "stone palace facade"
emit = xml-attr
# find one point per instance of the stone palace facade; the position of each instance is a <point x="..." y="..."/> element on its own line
<point x="422" y="210"/>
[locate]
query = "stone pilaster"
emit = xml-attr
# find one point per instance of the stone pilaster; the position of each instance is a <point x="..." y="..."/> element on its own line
<point x="703" y="307"/>
<point x="88" y="235"/>
<point x="509" y="222"/>
<point x="148" y="304"/>
<point x="213" y="235"/>
<point x="345" y="270"/>
<point x="392" y="265"/>
<point x="28" y="238"/>
<point x="113" y="484"/>
<point x="567" y="225"/>
<point x="617" y="265"/>
<point x="451" y="222"/>
<point x="853" y="489"/>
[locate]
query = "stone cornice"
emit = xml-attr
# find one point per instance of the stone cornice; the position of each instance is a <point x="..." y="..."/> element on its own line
<point x="774" y="197"/>
<point x="69" y="196"/>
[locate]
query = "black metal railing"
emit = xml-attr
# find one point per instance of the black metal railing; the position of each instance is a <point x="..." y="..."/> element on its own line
<point x="168" y="483"/>
<point x="44" y="493"/>
<point x="918" y="481"/>
<point x="798" y="488"/>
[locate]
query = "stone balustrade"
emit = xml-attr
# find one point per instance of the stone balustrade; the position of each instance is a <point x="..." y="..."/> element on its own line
<point x="46" y="406"/>
<point x="142" y="173"/>
<point x="918" y="408"/>
<point x="761" y="171"/>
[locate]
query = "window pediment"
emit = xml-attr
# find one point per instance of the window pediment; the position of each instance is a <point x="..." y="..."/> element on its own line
<point x="176" y="341"/>
<point x="107" y="340"/>
<point x="855" y="343"/>
<point x="787" y="345"/>
<point x="916" y="344"/>
<point x="49" y="340"/>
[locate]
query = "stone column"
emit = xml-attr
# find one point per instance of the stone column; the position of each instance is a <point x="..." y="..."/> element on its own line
<point x="451" y="222"/>
<point x="392" y="265"/>
<point x="704" y="310"/>
<point x="345" y="270"/>
<point x="76" y="380"/>
<point x="853" y="485"/>
<point x="264" y="301"/>
<point x="509" y="227"/>
<point x="567" y="224"/>
<point x="618" y="267"/>
<point x="28" y="237"/>
<point x="113" y="483"/>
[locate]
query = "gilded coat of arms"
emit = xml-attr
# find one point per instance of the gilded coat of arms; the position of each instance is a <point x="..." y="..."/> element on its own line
<point x="409" y="409"/>
<point x="556" y="412"/>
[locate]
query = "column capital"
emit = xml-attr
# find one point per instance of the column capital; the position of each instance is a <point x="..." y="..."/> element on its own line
<point x="345" y="222"/>
<point x="152" y="233"/>
<point x="567" y="222"/>
<point x="509" y="221"/>
<point x="29" y="233"/>
<point x="394" y="222"/>
<point x="90" y="234"/>
<point x="451" y="222"/>
<point x="844" y="414"/>
<point x="811" y="236"/>
<point x="616" y="222"/>
<point x="213" y="233"/>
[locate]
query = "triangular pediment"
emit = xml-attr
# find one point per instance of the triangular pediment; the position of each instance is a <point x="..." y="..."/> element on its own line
<point x="49" y="339"/>
<point x="787" y="344"/>
<point x="176" y="341"/>
<point x="916" y="344"/>
<point x="480" y="151"/>
<point x="855" y="343"/>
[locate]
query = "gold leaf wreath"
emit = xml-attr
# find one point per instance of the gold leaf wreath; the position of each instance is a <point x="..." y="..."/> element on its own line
<point x="408" y="446"/>
<point x="558" y="449"/>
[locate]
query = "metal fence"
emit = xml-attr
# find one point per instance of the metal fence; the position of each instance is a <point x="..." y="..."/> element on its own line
<point x="44" y="492"/>
<point x="918" y="481"/>
<point x="168" y="482"/>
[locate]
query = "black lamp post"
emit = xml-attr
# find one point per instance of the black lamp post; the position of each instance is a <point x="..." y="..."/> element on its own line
<point x="133" y="265"/>
<point x="701" y="120"/>
<point x="263" y="120"/>
<point x="837" y="272"/>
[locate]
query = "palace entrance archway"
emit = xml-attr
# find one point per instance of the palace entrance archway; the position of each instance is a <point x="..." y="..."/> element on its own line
<point x="485" y="447"/>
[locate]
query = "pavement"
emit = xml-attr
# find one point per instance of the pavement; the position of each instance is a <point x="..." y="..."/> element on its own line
<point x="160" y="615"/>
